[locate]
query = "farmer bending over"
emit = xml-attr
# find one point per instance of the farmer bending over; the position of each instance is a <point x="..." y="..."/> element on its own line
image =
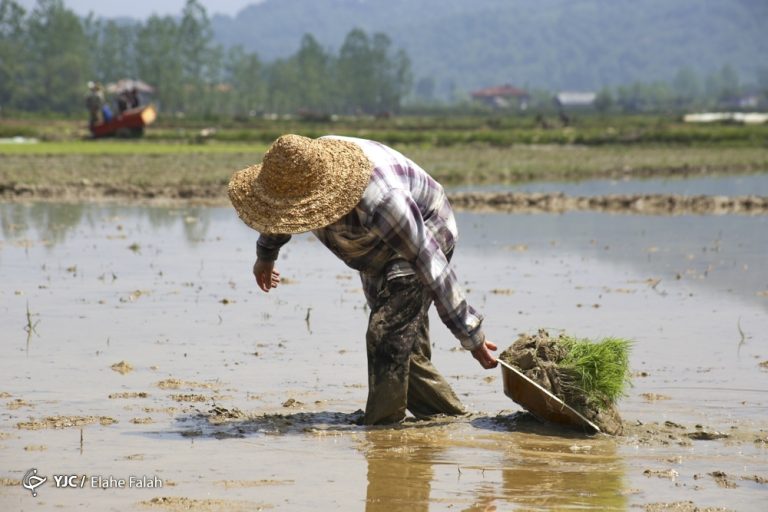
<point x="384" y="216"/>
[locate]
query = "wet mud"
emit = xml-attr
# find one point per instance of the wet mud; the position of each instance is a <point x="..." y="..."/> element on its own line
<point x="645" y="204"/>
<point x="58" y="422"/>
<point x="508" y="202"/>
<point x="177" y="504"/>
<point x="271" y="395"/>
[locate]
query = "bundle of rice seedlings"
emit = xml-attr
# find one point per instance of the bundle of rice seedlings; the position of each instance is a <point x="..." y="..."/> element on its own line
<point x="597" y="371"/>
<point x="589" y="376"/>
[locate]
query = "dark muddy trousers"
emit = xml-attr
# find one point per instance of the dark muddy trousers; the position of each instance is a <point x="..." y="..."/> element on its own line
<point x="400" y="373"/>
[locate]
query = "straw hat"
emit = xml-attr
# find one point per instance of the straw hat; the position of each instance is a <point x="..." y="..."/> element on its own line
<point x="302" y="184"/>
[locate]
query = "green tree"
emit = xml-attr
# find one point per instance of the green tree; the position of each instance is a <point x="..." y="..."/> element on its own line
<point x="314" y="75"/>
<point x="356" y="74"/>
<point x="369" y="78"/>
<point x="57" y="66"/>
<point x="157" y="60"/>
<point x="214" y="97"/>
<point x="722" y="85"/>
<point x="730" y="86"/>
<point x="12" y="51"/>
<point x="604" y="100"/>
<point x="762" y="82"/>
<point x="392" y="74"/>
<point x="425" y="89"/>
<point x="283" y="86"/>
<point x="194" y="47"/>
<point x="245" y="73"/>
<point x="112" y="49"/>
<point x="687" y="89"/>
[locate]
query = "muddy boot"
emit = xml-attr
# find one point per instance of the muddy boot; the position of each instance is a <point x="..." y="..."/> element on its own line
<point x="392" y="332"/>
<point x="386" y="402"/>
<point x="429" y="394"/>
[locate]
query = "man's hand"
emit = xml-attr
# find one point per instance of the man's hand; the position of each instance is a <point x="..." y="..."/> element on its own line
<point x="266" y="275"/>
<point x="484" y="356"/>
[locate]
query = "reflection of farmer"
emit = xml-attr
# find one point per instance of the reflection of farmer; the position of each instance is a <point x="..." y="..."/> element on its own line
<point x="386" y="217"/>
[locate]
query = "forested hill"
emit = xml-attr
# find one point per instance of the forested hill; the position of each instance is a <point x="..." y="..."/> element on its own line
<point x="555" y="44"/>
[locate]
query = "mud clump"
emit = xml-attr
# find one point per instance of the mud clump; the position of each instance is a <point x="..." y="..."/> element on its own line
<point x="644" y="204"/>
<point x="220" y="414"/>
<point x="723" y="480"/>
<point x="184" y="384"/>
<point x="179" y="503"/>
<point x="122" y="367"/>
<point x="682" y="506"/>
<point x="188" y="397"/>
<point x="541" y="357"/>
<point x="57" y="422"/>
<point x="129" y="394"/>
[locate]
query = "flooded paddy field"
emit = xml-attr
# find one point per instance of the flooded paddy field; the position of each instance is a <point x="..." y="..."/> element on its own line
<point x="136" y="344"/>
<point x="733" y="185"/>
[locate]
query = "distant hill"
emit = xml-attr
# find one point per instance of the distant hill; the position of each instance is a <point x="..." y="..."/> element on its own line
<point x="554" y="44"/>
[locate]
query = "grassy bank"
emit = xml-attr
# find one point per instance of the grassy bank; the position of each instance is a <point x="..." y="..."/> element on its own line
<point x="122" y="163"/>
<point x="440" y="131"/>
<point x="199" y="156"/>
<point x="115" y="147"/>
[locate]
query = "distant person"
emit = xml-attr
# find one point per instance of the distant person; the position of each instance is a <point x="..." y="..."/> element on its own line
<point x="106" y="113"/>
<point x="384" y="216"/>
<point x="122" y="102"/>
<point x="94" y="101"/>
<point x="133" y="98"/>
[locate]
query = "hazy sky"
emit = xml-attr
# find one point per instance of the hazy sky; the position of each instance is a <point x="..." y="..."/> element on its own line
<point x="144" y="8"/>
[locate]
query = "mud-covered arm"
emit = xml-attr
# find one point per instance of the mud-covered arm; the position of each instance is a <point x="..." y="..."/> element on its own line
<point x="268" y="246"/>
<point x="398" y="221"/>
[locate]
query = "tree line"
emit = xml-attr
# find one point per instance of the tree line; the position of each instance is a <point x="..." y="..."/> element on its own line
<point x="687" y="91"/>
<point x="48" y="55"/>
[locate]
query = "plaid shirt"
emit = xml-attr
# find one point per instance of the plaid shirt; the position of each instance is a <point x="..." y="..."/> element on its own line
<point x="403" y="225"/>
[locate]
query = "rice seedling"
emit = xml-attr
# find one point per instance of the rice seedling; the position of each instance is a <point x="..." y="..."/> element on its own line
<point x="598" y="371"/>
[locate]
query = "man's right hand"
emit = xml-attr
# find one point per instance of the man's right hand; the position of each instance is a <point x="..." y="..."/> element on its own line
<point x="484" y="356"/>
<point x="266" y="275"/>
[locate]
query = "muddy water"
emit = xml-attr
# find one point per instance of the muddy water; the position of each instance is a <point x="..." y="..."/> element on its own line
<point x="752" y="184"/>
<point x="238" y="400"/>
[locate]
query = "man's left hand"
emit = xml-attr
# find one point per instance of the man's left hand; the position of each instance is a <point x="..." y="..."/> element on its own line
<point x="484" y="356"/>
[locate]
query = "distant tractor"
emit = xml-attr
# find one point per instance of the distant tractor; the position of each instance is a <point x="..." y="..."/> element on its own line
<point x="130" y="123"/>
<point x="134" y="112"/>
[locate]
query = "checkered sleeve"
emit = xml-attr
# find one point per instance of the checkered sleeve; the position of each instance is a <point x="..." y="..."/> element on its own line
<point x="398" y="221"/>
<point x="268" y="246"/>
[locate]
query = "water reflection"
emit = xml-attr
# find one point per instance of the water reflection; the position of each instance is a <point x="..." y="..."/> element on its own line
<point x="722" y="254"/>
<point x="556" y="473"/>
<point x="400" y="471"/>
<point x="53" y="223"/>
<point x="411" y="469"/>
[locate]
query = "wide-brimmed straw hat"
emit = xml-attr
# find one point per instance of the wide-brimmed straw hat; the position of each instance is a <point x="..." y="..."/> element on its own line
<point x="302" y="184"/>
